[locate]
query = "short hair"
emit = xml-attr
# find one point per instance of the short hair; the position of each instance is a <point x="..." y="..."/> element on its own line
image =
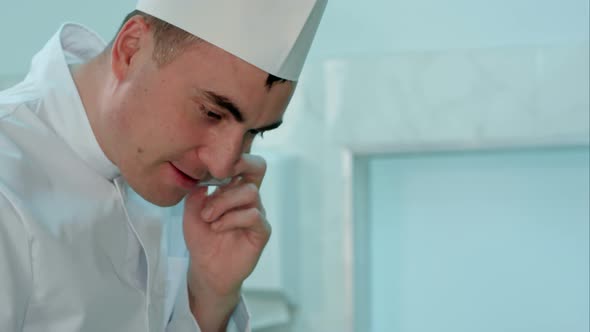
<point x="170" y="41"/>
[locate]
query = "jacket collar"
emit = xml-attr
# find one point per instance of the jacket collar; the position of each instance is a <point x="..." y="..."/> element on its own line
<point x="61" y="107"/>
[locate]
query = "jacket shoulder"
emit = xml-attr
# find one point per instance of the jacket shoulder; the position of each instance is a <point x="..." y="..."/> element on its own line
<point x="16" y="272"/>
<point x="24" y="93"/>
<point x="21" y="134"/>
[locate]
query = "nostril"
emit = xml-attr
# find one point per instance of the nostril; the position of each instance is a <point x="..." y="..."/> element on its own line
<point x="220" y="159"/>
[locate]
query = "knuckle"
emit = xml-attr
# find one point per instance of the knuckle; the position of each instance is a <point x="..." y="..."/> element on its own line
<point x="255" y="214"/>
<point x="260" y="215"/>
<point x="211" y="206"/>
<point x="254" y="217"/>
<point x="251" y="190"/>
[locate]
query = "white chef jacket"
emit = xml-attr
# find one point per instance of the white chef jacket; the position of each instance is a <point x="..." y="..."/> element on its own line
<point x="79" y="251"/>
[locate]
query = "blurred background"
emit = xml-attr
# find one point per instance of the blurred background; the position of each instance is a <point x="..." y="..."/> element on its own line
<point x="432" y="173"/>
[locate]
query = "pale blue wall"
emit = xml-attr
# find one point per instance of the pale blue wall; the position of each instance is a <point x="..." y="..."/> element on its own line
<point x="352" y="27"/>
<point x="349" y="27"/>
<point x="25" y="25"/>
<point x="486" y="242"/>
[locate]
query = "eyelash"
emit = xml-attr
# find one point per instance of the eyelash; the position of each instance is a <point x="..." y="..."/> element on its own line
<point x="213" y="115"/>
<point x="255" y="132"/>
<point x="218" y="117"/>
<point x="208" y="113"/>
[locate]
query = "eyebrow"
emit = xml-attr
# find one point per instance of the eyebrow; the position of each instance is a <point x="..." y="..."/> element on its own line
<point x="227" y="104"/>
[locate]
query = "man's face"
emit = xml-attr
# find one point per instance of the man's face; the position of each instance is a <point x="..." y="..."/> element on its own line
<point x="188" y="120"/>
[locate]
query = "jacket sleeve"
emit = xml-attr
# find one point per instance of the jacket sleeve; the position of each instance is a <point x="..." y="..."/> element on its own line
<point x="182" y="319"/>
<point x="15" y="267"/>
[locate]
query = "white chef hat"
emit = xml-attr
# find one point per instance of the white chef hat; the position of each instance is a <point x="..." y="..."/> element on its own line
<point x="273" y="35"/>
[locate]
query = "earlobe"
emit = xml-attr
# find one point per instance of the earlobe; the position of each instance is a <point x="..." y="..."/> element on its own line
<point x="127" y="46"/>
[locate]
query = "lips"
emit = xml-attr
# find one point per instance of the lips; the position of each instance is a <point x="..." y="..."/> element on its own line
<point x="185" y="174"/>
<point x="183" y="179"/>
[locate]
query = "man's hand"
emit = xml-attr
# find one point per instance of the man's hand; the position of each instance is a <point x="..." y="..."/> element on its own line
<point x="225" y="234"/>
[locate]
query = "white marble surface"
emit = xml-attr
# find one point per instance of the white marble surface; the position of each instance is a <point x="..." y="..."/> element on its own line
<point x="479" y="99"/>
<point x="268" y="309"/>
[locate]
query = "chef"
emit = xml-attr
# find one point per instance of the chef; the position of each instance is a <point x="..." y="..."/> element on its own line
<point x="99" y="137"/>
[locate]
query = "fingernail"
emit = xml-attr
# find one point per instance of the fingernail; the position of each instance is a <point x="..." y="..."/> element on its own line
<point x="206" y="213"/>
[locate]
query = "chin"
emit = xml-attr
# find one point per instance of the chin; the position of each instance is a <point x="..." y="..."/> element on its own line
<point x="161" y="196"/>
<point x="163" y="199"/>
<point x="155" y="192"/>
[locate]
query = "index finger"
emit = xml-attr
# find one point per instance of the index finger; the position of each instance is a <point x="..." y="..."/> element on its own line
<point x="251" y="168"/>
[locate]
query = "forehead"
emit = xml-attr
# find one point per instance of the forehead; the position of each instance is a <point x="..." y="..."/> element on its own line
<point x="204" y="67"/>
<point x="215" y="69"/>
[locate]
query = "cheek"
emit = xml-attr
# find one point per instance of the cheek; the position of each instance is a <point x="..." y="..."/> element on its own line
<point x="177" y="131"/>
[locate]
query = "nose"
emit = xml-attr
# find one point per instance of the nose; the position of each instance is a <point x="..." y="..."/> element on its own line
<point x="222" y="155"/>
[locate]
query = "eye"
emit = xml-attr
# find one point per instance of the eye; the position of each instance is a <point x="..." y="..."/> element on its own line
<point x="210" y="114"/>
<point x="214" y="115"/>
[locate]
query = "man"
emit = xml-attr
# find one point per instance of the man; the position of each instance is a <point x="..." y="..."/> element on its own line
<point x="174" y="100"/>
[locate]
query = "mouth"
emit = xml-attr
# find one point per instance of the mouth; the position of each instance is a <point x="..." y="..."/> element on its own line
<point x="183" y="179"/>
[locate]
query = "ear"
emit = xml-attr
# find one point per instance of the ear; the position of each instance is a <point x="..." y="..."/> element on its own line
<point x="132" y="41"/>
